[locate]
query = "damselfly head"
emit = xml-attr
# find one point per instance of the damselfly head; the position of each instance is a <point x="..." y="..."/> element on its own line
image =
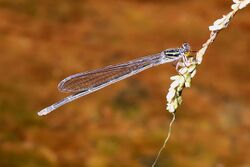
<point x="186" y="49"/>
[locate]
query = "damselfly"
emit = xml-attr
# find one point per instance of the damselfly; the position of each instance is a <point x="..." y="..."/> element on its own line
<point x="85" y="83"/>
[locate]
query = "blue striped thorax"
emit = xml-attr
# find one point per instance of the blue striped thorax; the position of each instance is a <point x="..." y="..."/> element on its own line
<point x="176" y="53"/>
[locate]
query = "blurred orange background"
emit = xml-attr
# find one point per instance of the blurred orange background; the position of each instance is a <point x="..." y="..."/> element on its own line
<point x="44" y="41"/>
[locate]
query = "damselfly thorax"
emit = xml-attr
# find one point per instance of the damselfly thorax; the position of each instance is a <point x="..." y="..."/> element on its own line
<point x="85" y="83"/>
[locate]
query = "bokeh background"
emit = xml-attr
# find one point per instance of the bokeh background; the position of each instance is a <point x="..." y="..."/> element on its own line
<point x="44" y="41"/>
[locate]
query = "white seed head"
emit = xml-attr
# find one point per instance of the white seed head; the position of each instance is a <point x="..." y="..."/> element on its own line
<point x="170" y="95"/>
<point x="183" y="70"/>
<point x="200" y="53"/>
<point x="221" y="23"/>
<point x="179" y="88"/>
<point x="175" y="104"/>
<point x="170" y="108"/>
<point x="179" y="99"/>
<point x="234" y="6"/>
<point x="175" y="77"/>
<point x="244" y="3"/>
<point x="191" y="68"/>
<point x="193" y="73"/>
<point x="174" y="84"/>
<point x="236" y="1"/>
<point x="188" y="82"/>
<point x="181" y="80"/>
<point x="187" y="70"/>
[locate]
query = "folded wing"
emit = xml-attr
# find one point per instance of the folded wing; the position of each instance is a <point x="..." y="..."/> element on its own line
<point x="105" y="76"/>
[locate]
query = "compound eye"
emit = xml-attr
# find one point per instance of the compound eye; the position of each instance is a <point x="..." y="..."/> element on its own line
<point x="186" y="47"/>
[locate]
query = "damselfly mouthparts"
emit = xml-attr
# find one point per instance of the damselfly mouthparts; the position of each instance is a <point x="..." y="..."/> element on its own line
<point x="85" y="83"/>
